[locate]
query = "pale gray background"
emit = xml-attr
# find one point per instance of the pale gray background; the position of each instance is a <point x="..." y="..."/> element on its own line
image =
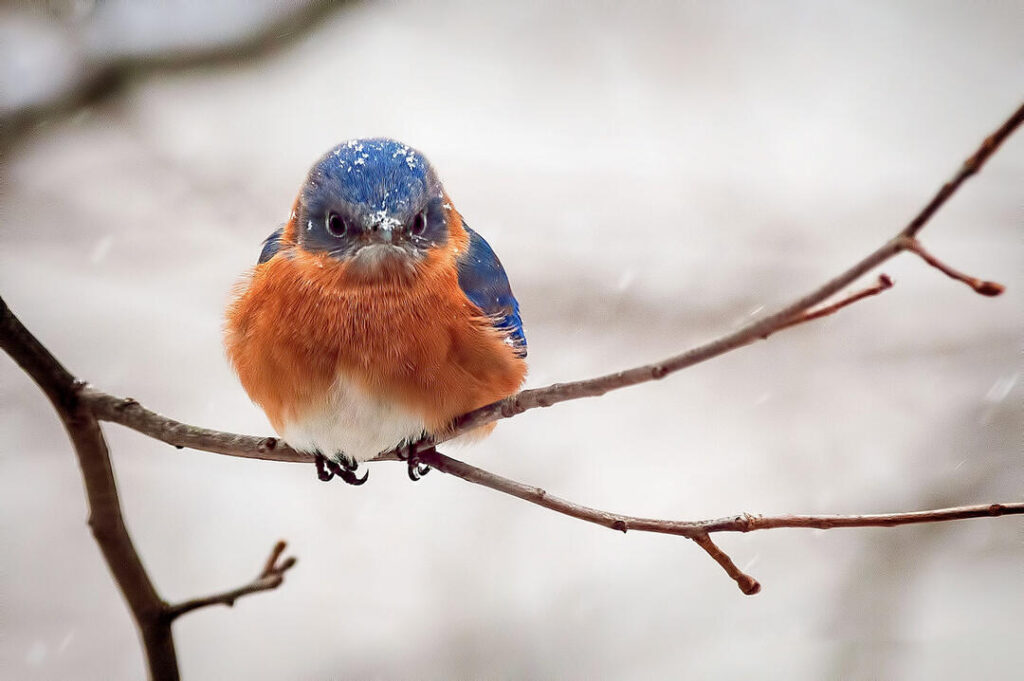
<point x="652" y="175"/>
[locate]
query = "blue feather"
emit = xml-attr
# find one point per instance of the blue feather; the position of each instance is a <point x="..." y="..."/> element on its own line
<point x="271" y="246"/>
<point x="483" y="280"/>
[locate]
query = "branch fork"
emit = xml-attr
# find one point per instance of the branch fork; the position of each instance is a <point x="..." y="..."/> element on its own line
<point x="271" y="577"/>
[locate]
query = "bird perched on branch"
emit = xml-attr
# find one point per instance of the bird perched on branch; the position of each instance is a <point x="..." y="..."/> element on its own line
<point x="375" y="316"/>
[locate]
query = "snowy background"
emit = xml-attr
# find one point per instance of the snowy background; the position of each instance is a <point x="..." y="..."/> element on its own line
<point x="652" y="174"/>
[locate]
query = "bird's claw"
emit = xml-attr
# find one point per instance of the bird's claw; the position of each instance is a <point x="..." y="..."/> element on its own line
<point x="416" y="469"/>
<point x="326" y="469"/>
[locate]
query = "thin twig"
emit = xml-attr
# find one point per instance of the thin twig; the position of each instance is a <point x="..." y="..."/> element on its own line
<point x="698" y="529"/>
<point x="884" y="283"/>
<point x="561" y="392"/>
<point x="985" y="288"/>
<point x="745" y="582"/>
<point x="753" y="523"/>
<point x="271" y="577"/>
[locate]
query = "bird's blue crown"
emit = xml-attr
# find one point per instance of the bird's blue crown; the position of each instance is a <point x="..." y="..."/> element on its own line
<point x="380" y="173"/>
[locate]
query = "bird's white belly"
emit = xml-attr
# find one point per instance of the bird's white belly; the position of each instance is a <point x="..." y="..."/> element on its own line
<point x="352" y="422"/>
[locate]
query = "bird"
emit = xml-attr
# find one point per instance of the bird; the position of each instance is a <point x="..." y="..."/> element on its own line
<point x="374" y="316"/>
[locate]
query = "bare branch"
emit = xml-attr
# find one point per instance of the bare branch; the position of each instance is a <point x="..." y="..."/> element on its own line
<point x="105" y="517"/>
<point x="884" y="283"/>
<point x="128" y="412"/>
<point x="745" y="582"/>
<point x="151" y="613"/>
<point x="104" y="80"/>
<point x="135" y="416"/>
<point x="752" y="523"/>
<point x="699" y="530"/>
<point x="271" y="577"/>
<point x="150" y="423"/>
<point x="561" y="392"/>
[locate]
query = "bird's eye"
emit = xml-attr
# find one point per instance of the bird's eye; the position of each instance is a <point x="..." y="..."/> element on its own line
<point x="336" y="225"/>
<point x="419" y="224"/>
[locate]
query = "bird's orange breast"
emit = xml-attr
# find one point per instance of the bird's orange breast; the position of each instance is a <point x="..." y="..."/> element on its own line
<point x="302" y="321"/>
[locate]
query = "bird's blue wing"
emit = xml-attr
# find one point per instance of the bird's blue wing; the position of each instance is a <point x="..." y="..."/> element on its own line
<point x="271" y="246"/>
<point x="483" y="280"/>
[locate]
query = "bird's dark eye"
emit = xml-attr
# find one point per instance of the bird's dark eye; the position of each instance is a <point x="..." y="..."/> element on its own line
<point x="419" y="224"/>
<point x="336" y="225"/>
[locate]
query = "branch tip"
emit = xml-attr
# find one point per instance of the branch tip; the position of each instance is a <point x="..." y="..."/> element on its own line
<point x="270" y="577"/>
<point x="885" y="282"/>
<point x="980" y="286"/>
<point x="747" y="584"/>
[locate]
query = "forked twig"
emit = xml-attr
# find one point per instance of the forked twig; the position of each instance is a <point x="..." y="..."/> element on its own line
<point x="271" y="577"/>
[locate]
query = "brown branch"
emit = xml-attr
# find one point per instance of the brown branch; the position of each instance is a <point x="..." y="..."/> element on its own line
<point x="884" y="283"/>
<point x="152" y="615"/>
<point x="271" y="577"/>
<point x="752" y="523"/>
<point x="105" y="517"/>
<point x="594" y="387"/>
<point x="109" y="78"/>
<point x="747" y="584"/>
<point x="133" y="415"/>
<point x="129" y="413"/>
<point x="985" y="288"/>
<point x="697" y="529"/>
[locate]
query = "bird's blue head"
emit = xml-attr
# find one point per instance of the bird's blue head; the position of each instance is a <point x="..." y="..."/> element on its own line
<point x="373" y="203"/>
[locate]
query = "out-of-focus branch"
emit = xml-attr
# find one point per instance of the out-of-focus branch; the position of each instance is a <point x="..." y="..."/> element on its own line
<point x="106" y="79"/>
<point x="271" y="577"/>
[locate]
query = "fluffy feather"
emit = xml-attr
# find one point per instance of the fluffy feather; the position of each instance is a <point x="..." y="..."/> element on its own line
<point x="345" y="364"/>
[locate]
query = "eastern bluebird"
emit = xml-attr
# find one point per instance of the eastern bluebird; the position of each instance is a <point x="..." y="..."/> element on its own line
<point x="375" y="315"/>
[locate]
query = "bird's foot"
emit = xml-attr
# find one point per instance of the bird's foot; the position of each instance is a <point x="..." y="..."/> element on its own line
<point x="416" y="469"/>
<point x="327" y="469"/>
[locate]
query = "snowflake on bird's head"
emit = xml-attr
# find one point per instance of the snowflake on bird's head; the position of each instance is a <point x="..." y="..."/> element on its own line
<point x="375" y="316"/>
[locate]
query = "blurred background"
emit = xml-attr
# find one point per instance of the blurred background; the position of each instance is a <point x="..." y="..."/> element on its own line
<point x="653" y="174"/>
